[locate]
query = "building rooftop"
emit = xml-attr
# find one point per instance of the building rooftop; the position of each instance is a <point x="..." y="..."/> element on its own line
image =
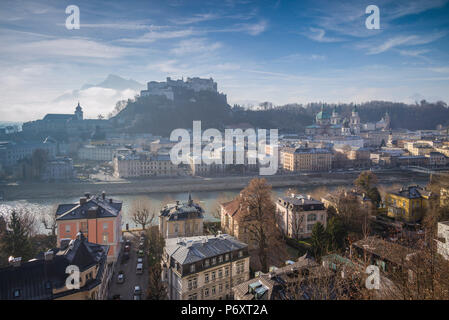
<point x="36" y="279"/>
<point x="89" y="207"/>
<point x="305" y="202"/>
<point x="182" y="210"/>
<point x="193" y="249"/>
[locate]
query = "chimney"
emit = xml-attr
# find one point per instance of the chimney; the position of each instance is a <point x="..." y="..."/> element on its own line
<point x="103" y="195"/>
<point x="48" y="256"/>
<point x="87" y="195"/>
<point x="110" y="200"/>
<point x="82" y="200"/>
<point x="15" y="262"/>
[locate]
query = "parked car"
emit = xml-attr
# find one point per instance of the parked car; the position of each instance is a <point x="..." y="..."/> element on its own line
<point x="140" y="253"/>
<point x="127" y="248"/>
<point x="140" y="260"/>
<point x="142" y="238"/>
<point x="120" y="277"/>
<point x="141" y="245"/>
<point x="128" y="242"/>
<point x="137" y="290"/>
<point x="139" y="268"/>
<point x="137" y="297"/>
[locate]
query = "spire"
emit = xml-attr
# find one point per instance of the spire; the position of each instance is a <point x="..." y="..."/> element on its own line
<point x="190" y="199"/>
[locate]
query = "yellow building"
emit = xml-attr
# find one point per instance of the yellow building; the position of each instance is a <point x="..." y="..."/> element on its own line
<point x="409" y="203"/>
<point x="307" y="159"/>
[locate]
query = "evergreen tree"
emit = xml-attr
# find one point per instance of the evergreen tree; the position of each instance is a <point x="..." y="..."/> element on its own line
<point x="16" y="239"/>
<point x="319" y="240"/>
<point x="336" y="233"/>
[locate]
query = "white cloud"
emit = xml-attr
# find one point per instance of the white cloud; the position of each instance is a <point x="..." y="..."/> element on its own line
<point x="402" y="40"/>
<point x="319" y="35"/>
<point x="156" y="34"/>
<point x="195" y="45"/>
<point x="195" y="19"/>
<point x="70" y="48"/>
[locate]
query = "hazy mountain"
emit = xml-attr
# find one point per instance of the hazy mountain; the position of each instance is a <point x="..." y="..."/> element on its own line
<point x="117" y="83"/>
<point x="113" y="82"/>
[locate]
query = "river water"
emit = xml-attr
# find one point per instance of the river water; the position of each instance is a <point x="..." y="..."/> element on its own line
<point x="207" y="199"/>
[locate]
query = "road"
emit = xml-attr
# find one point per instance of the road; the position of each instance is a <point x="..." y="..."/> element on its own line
<point x="126" y="289"/>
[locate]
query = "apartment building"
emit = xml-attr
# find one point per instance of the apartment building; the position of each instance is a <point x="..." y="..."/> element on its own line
<point x="235" y="223"/>
<point x="136" y="165"/>
<point x="204" y="268"/>
<point x="44" y="278"/>
<point x="181" y="220"/>
<point x="97" y="217"/>
<point x="97" y="152"/>
<point x="307" y="159"/>
<point x="297" y="214"/>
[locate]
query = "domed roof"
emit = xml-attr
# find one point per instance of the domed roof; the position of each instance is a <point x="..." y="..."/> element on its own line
<point x="323" y="114"/>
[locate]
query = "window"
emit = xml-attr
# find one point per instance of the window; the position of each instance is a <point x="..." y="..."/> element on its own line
<point x="240" y="253"/>
<point x="176" y="228"/>
<point x="193" y="297"/>
<point x="213" y="290"/>
<point x="220" y="287"/>
<point x="240" y="268"/>
<point x="105" y="226"/>
<point x="311" y="217"/>
<point x="214" y="261"/>
<point x="226" y="256"/>
<point x="226" y="271"/>
<point x="206" y="277"/>
<point x="213" y="275"/>
<point x="220" y="273"/>
<point x="206" y="263"/>
<point x="16" y="293"/>
<point x="192" y="283"/>
<point x="206" y="292"/>
<point x="67" y="228"/>
<point x="105" y="237"/>
<point x="192" y="268"/>
<point x="220" y="259"/>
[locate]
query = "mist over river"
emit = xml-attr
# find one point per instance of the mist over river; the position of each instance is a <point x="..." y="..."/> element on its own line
<point x="207" y="199"/>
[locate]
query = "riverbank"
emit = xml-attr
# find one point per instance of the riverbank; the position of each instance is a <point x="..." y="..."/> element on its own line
<point x="21" y="191"/>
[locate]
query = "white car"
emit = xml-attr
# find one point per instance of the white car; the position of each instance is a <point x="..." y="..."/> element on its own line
<point x="137" y="290"/>
<point x="139" y="268"/>
<point x="140" y="260"/>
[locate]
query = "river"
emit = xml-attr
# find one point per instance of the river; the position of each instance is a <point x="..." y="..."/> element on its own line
<point x="207" y="199"/>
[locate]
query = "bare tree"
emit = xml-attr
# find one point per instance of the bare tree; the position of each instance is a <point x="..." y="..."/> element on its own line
<point x="142" y="212"/>
<point x="258" y="210"/>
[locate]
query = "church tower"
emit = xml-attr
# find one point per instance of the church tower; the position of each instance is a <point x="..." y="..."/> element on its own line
<point x="335" y="118"/>
<point x="79" y="112"/>
<point x="354" y="122"/>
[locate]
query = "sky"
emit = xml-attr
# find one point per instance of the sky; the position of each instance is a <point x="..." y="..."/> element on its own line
<point x="279" y="51"/>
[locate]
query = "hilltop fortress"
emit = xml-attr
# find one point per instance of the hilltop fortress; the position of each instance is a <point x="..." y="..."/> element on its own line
<point x="169" y="87"/>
